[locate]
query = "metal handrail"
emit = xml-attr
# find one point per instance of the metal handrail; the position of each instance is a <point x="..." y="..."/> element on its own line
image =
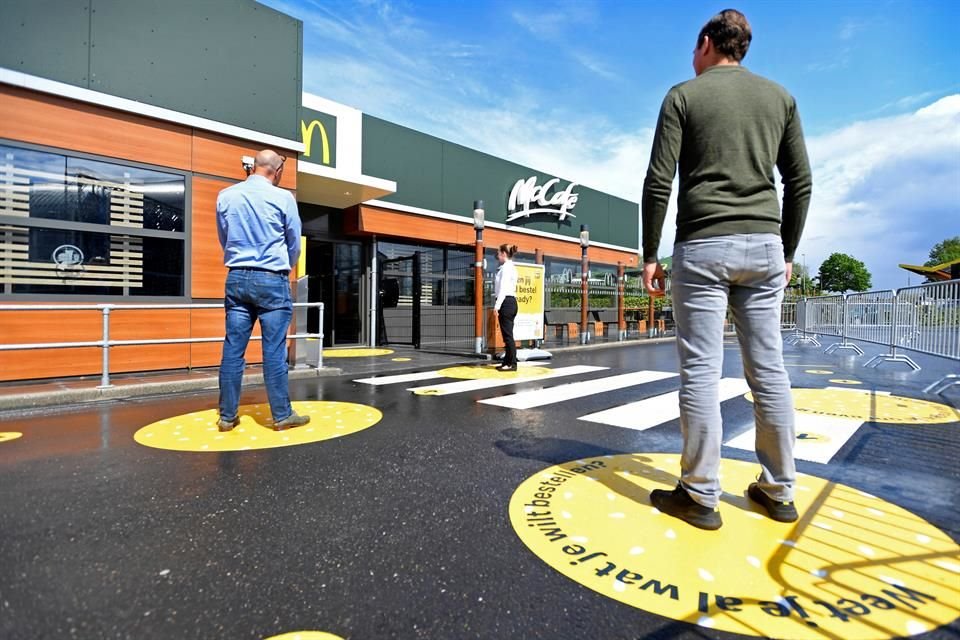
<point x="106" y="343"/>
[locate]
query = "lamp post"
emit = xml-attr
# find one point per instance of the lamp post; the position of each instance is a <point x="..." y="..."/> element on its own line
<point x="803" y="276"/>
<point x="478" y="277"/>
<point x="584" y="271"/>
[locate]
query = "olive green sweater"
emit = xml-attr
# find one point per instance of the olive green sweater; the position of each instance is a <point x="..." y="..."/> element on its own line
<point x="726" y="129"/>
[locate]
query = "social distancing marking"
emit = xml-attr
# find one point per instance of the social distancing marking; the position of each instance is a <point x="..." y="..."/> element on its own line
<point x="198" y="431"/>
<point x="854" y="566"/>
<point x="355" y="353"/>
<point x="400" y="359"/>
<point x="844" y="381"/>
<point x="305" y="635"/>
<point x="870" y="406"/>
<point x="7" y="436"/>
<point x="818" y="438"/>
<point x="489" y="372"/>
<point x="819" y="372"/>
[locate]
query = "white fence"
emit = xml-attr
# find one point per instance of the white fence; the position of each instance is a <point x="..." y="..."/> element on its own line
<point x="923" y="319"/>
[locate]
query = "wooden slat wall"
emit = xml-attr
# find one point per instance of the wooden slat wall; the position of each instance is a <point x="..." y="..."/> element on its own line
<point x="83" y="326"/>
<point x="65" y="124"/>
<point x="209" y="323"/>
<point x="207" y="273"/>
<point x="384" y="222"/>
<point x="218" y="155"/>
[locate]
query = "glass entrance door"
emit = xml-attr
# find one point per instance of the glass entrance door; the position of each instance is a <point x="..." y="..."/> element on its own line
<point x="335" y="271"/>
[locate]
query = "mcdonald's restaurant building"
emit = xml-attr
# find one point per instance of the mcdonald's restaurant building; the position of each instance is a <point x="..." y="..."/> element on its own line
<point x="120" y="122"/>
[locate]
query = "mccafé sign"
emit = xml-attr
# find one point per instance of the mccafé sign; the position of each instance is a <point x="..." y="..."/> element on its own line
<point x="527" y="197"/>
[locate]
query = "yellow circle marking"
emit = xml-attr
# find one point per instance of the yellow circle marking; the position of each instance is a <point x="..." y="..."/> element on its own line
<point x="356" y="353"/>
<point x="305" y="635"/>
<point x="198" y="431"/>
<point x="490" y="372"/>
<point x="870" y="407"/>
<point x="6" y="436"/>
<point x="844" y="381"/>
<point x="819" y="372"/>
<point x="853" y="566"/>
<point x="401" y="359"/>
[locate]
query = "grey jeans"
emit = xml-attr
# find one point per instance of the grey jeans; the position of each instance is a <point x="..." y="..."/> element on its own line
<point x="748" y="272"/>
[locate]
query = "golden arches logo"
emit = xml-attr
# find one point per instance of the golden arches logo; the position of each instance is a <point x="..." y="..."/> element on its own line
<point x="306" y="134"/>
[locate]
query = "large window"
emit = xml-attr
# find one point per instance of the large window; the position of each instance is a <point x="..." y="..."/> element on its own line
<point x="74" y="225"/>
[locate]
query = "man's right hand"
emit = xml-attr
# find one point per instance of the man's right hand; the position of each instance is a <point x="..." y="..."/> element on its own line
<point x="789" y="273"/>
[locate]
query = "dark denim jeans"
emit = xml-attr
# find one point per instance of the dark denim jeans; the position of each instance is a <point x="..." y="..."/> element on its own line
<point x="252" y="296"/>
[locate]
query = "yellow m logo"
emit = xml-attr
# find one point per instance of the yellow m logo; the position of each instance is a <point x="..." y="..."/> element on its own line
<point x="306" y="133"/>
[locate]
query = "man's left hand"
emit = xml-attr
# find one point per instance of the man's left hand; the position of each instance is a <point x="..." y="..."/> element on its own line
<point x="649" y="271"/>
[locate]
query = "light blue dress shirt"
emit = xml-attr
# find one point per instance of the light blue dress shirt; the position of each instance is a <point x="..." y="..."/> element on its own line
<point x="258" y="225"/>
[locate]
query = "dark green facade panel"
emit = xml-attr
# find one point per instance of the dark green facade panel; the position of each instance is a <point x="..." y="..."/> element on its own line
<point x="46" y="38"/>
<point x="442" y="176"/>
<point x="233" y="61"/>
<point x="413" y="160"/>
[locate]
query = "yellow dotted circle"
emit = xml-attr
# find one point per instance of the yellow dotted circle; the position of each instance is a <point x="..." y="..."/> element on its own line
<point x="6" y="436"/>
<point x="490" y="371"/>
<point x="400" y="359"/>
<point x="356" y="353"/>
<point x="853" y="566"/>
<point x="844" y="381"/>
<point x="198" y="431"/>
<point x="305" y="635"/>
<point x="870" y="406"/>
<point x="819" y="372"/>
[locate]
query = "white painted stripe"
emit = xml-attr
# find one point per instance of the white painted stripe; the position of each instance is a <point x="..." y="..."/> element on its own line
<point x="488" y="383"/>
<point x="540" y="397"/>
<point x="644" y="414"/>
<point x="818" y="437"/>
<point x="406" y="377"/>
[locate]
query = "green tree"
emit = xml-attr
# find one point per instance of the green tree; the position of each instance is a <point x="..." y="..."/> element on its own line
<point x="842" y="273"/>
<point x="942" y="252"/>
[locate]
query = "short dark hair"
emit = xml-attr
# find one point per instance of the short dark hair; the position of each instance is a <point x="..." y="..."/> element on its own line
<point x="729" y="32"/>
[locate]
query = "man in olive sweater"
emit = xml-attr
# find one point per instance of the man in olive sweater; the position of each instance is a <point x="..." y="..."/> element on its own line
<point x="727" y="129"/>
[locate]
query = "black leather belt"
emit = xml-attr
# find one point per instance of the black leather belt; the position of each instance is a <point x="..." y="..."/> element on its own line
<point x="279" y="273"/>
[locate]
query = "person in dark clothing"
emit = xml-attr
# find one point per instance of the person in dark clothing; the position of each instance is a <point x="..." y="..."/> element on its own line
<point x="505" y="291"/>
<point x="726" y="130"/>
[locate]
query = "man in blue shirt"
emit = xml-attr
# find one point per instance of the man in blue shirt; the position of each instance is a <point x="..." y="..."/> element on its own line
<point x="259" y="230"/>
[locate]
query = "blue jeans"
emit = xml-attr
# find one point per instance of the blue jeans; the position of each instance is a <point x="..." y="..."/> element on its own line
<point x="252" y="296"/>
<point x="746" y="271"/>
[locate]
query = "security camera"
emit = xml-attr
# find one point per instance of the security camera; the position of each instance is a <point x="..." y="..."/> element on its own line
<point x="247" y="164"/>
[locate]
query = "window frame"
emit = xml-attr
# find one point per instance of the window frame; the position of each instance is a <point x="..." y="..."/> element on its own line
<point x="6" y="294"/>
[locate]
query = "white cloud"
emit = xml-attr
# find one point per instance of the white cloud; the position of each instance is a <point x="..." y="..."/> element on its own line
<point x="885" y="189"/>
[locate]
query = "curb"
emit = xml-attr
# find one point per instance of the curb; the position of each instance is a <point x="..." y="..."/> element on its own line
<point x="61" y="397"/>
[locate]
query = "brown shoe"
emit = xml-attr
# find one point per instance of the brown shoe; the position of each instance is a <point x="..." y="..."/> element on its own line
<point x="227" y="425"/>
<point x="293" y="420"/>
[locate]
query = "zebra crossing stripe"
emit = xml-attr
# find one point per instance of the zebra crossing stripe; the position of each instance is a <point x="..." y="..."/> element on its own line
<point x="488" y="383"/>
<point x="819" y="438"/>
<point x="540" y="397"/>
<point x="644" y="414"/>
<point x="406" y="377"/>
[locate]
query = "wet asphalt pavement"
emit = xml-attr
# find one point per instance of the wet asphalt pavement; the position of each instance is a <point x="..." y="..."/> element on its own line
<point x="397" y="531"/>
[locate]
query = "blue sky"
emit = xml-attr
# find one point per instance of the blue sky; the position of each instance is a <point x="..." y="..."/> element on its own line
<point x="573" y="88"/>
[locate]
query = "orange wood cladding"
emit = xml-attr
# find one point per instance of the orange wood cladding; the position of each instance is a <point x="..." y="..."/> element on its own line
<point x="405" y="225"/>
<point x="66" y="124"/>
<point x="207" y="273"/>
<point x="86" y="326"/>
<point x="209" y="323"/>
<point x="221" y="156"/>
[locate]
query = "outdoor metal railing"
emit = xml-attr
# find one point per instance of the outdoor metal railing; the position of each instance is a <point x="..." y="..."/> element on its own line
<point x="105" y="343"/>
<point x="923" y="319"/>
